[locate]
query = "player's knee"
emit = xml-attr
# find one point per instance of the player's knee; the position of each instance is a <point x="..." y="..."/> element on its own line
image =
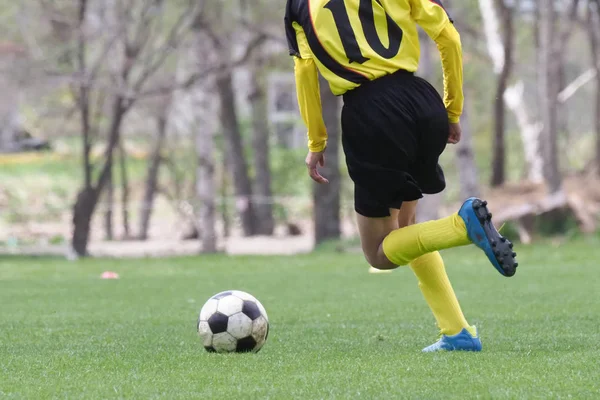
<point x="377" y="258"/>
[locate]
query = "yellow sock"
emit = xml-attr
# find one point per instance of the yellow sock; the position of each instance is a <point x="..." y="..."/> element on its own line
<point x="406" y="244"/>
<point x="438" y="292"/>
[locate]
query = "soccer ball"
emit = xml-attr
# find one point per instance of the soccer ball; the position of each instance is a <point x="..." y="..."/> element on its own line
<point x="233" y="321"/>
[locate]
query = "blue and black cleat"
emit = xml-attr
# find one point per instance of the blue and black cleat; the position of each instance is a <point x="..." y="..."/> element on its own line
<point x="481" y="231"/>
<point x="463" y="341"/>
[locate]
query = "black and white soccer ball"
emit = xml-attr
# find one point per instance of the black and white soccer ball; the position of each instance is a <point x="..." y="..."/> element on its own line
<point x="233" y="321"/>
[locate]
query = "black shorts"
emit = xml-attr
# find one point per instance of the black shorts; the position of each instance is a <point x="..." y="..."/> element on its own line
<point x="393" y="132"/>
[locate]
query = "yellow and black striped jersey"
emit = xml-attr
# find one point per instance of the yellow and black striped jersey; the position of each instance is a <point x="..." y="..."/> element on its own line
<point x="354" y="41"/>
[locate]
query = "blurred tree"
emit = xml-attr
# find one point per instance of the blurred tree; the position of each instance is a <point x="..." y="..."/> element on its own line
<point x="206" y="188"/>
<point x="154" y="162"/>
<point x="503" y="69"/>
<point x="220" y="25"/>
<point x="465" y="159"/>
<point x="500" y="43"/>
<point x="124" y="188"/>
<point x="109" y="201"/>
<point x="235" y="153"/>
<point x="256" y="16"/>
<point x="593" y="28"/>
<point x="468" y="174"/>
<point x="204" y="113"/>
<point x="261" y="146"/>
<point x="144" y="48"/>
<point x="11" y="84"/>
<point x="326" y="198"/>
<point x="548" y="68"/>
<point x="568" y="24"/>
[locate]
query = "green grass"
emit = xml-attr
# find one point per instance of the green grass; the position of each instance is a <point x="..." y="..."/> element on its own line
<point x="336" y="331"/>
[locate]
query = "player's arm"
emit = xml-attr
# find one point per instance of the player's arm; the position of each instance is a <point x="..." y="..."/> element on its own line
<point x="449" y="46"/>
<point x="307" y="81"/>
<point x="309" y="102"/>
<point x="435" y="22"/>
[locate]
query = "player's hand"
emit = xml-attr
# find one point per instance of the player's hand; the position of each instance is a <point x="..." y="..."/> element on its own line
<point x="455" y="133"/>
<point x="312" y="161"/>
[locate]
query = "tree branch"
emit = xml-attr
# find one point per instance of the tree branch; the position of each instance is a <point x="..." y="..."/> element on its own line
<point x="169" y="44"/>
<point x="192" y="79"/>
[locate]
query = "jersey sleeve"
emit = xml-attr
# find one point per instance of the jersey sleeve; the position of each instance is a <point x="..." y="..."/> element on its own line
<point x="448" y="43"/>
<point x="430" y="15"/>
<point x="296" y="37"/>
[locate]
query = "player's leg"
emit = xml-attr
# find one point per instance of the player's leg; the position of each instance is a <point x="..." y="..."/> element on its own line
<point x="471" y="224"/>
<point x="380" y="227"/>
<point x="434" y="283"/>
<point x="429" y="270"/>
<point x="383" y="144"/>
<point x="386" y="245"/>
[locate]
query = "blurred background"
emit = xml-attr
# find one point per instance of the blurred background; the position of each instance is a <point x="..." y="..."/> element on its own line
<point x="154" y="127"/>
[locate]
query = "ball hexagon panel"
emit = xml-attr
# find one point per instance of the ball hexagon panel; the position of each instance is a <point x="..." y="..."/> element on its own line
<point x="245" y="345"/>
<point x="239" y="326"/>
<point x="260" y="329"/>
<point x="261" y="343"/>
<point x="224" y="342"/>
<point x="208" y="309"/>
<point x="205" y="333"/>
<point x="262" y="310"/>
<point x="243" y="295"/>
<point x="251" y="309"/>
<point x="218" y="322"/>
<point x="230" y="305"/>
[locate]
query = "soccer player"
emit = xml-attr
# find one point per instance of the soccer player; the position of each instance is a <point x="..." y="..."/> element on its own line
<point x="394" y="127"/>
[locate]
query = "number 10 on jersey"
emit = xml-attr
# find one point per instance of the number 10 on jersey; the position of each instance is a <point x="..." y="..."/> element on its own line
<point x="366" y="16"/>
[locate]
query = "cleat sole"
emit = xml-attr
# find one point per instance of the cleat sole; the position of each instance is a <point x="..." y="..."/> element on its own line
<point x="502" y="247"/>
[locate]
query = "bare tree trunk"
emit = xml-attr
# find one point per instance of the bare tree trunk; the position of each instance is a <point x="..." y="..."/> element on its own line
<point x="109" y="198"/>
<point x="84" y="97"/>
<point x="564" y="37"/>
<point x="236" y="157"/>
<point x="87" y="198"/>
<point x="261" y="145"/>
<point x="124" y="189"/>
<point x="9" y="117"/>
<point x="206" y="188"/>
<point x="499" y="157"/>
<point x="548" y="85"/>
<point x="593" y="22"/>
<point x="465" y="159"/>
<point x="530" y="132"/>
<point x="224" y="206"/>
<point x="82" y="216"/>
<point x="326" y="198"/>
<point x="152" y="178"/>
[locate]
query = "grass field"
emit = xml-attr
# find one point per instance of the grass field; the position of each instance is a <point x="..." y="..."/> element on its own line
<point x="336" y="331"/>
